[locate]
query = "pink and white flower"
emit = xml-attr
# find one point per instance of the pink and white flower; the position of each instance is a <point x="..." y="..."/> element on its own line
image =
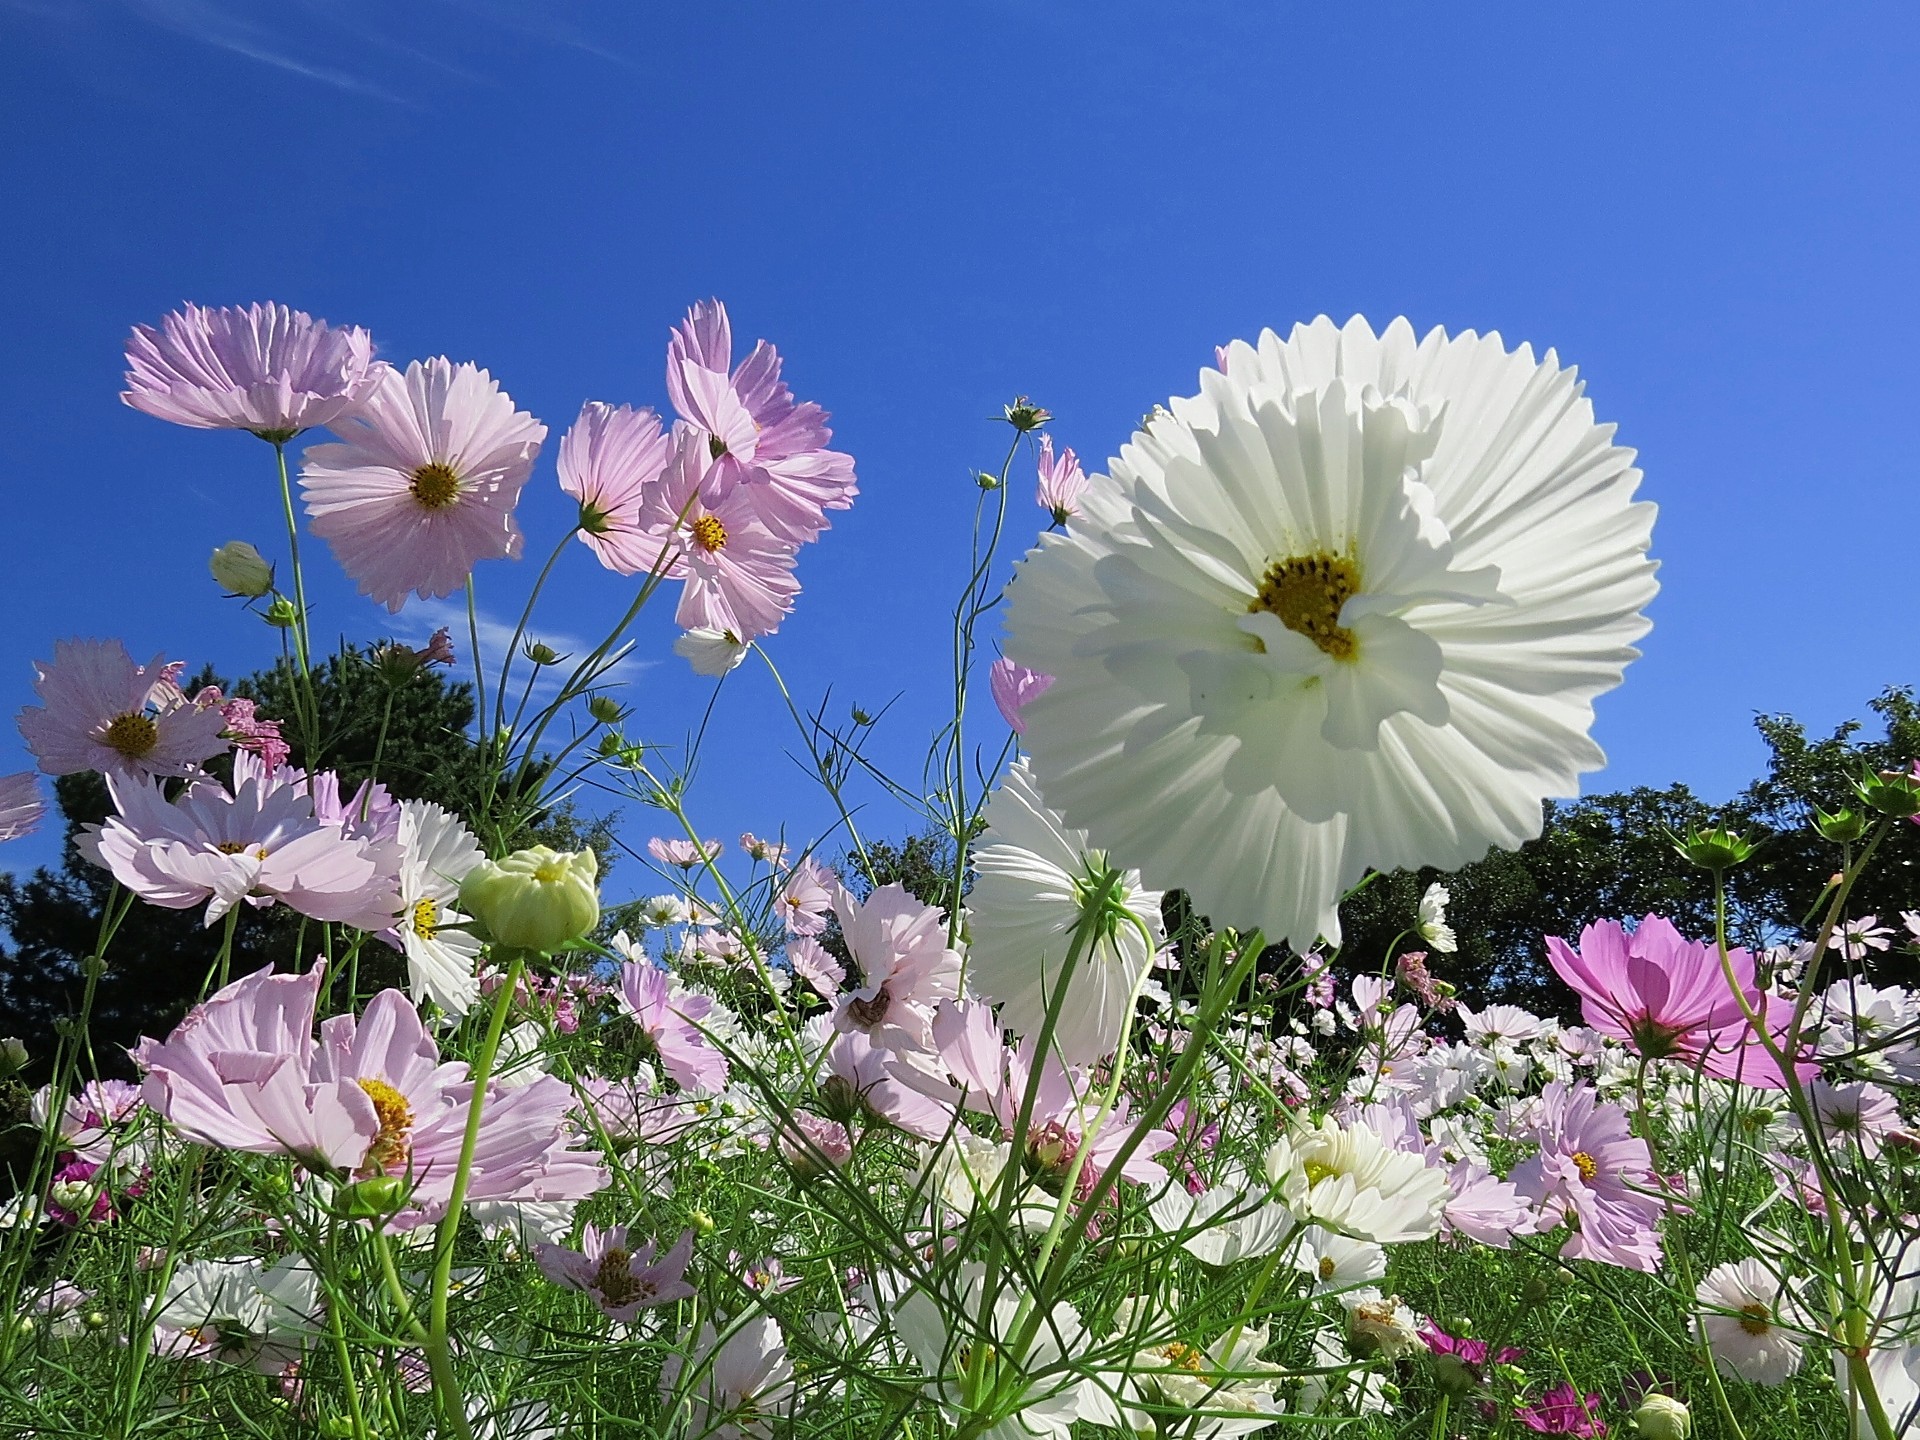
<point x="738" y="574"/>
<point x="670" y="1022"/>
<point x="1013" y="685"/>
<point x="807" y="897"/>
<point x="1595" y="1173"/>
<point x="1062" y="482"/>
<point x="741" y="1386"/>
<point x="622" y="1282"/>
<point x="609" y="461"/>
<point x="906" y="968"/>
<point x="103" y="712"/>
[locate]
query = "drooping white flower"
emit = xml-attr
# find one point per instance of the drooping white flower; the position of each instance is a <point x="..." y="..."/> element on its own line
<point x="1224" y="1224"/>
<point x="1349" y="1179"/>
<point x="437" y="852"/>
<point x="742" y="1386"/>
<point x="1432" y="919"/>
<point x="1036" y="880"/>
<point x="1218" y="1392"/>
<point x="243" y="1312"/>
<point x="1347" y="608"/>
<point x="1741" y="1315"/>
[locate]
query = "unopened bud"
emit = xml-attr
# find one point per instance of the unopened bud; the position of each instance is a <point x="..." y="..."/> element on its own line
<point x="606" y="709"/>
<point x="702" y="1222"/>
<point x="1537" y="1291"/>
<point x="1661" y="1417"/>
<point x="241" y="570"/>
<point x="372" y="1198"/>
<point x="536" y="899"/>
<point x="93" y="967"/>
<point x="1024" y="415"/>
<point x="282" y="614"/>
<point x="1891" y="792"/>
<point x="13" y="1054"/>
<point x="95" y="1320"/>
<point x="1843" y="827"/>
<point x="542" y="654"/>
<point x="1715" y="848"/>
<point x="1454" y="1375"/>
<point x="986" y="481"/>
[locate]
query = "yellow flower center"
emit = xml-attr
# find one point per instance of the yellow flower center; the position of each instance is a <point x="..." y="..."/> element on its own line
<point x="134" y="735"/>
<point x="1327" y="1267"/>
<point x="1306" y="593"/>
<point x="1756" y="1319"/>
<point x="1316" y="1171"/>
<point x="426" y="919"/>
<point x="1585" y="1164"/>
<point x="1184" y="1356"/>
<point x="435" y="485"/>
<point x="551" y="872"/>
<point x="240" y="847"/>
<point x="388" y="1152"/>
<point x="711" y="534"/>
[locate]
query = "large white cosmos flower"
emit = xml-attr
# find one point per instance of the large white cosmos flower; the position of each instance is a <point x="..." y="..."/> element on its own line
<point x="438" y="852"/>
<point x="1348" y="607"/>
<point x="1034" y="881"/>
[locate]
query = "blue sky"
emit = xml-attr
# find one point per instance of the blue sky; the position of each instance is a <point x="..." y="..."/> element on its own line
<point x="1709" y="208"/>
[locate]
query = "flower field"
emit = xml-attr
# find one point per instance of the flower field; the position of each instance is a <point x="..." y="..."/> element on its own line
<point x="1083" y="1125"/>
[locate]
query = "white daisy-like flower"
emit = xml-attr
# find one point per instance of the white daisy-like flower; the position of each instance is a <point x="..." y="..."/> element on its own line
<point x="1347" y="608"/>
<point x="1432" y="919"/>
<point x="438" y="851"/>
<point x="1224" y="1224"/>
<point x="1349" y="1179"/>
<point x="1380" y="1325"/>
<point x="1035" y="880"/>
<point x="1743" y="1317"/>
<point x="1333" y="1262"/>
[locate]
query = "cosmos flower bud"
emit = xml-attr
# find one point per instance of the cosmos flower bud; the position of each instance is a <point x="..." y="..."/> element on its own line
<point x="13" y="1055"/>
<point x="1843" y="827"/>
<point x="241" y="570"/>
<point x="374" y="1197"/>
<point x="606" y="709"/>
<point x="1661" y="1417"/>
<point x="1714" y="848"/>
<point x="541" y="654"/>
<point x="281" y="614"/>
<point x="1024" y="415"/>
<point x="535" y="899"/>
<point x="1891" y="792"/>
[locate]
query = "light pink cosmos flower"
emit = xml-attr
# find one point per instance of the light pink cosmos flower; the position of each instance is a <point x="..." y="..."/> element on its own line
<point x="424" y="482"/>
<point x="1062" y="482"/>
<point x="763" y="443"/>
<point x="1013" y="685"/>
<point x="738" y="574"/>
<point x="264" y="368"/>
<point x="768" y="852"/>
<point x="236" y="1073"/>
<point x="1856" y="939"/>
<point x="741" y="1388"/>
<point x="813" y="1143"/>
<point x="815" y="965"/>
<point x="863" y="1079"/>
<point x="622" y="1282"/>
<point x="683" y="853"/>
<point x="105" y="713"/>
<point x="94" y="1119"/>
<point x="806" y="898"/>
<point x="906" y="968"/>
<point x="422" y="1106"/>
<point x="21" y="808"/>
<point x="259" y="843"/>
<point x="609" y="461"/>
<point x="1666" y="997"/>
<point x="1859" y="1114"/>
<point x="670" y="1022"/>
<point x="1591" y="1171"/>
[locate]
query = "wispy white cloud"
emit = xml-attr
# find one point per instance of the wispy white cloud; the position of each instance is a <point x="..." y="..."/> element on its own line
<point x="421" y="618"/>
<point x="224" y="28"/>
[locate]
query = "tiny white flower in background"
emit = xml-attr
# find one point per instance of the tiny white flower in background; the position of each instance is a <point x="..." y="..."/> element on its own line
<point x="663" y="910"/>
<point x="1224" y="1224"/>
<point x="1856" y="939"/>
<point x="1742" y="1317"/>
<point x="1432" y="922"/>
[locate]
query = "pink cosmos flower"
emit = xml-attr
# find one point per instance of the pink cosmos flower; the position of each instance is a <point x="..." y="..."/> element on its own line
<point x="264" y="368"/>
<point x="741" y="1388"/>
<point x="906" y="968"/>
<point x="1473" y="1354"/>
<point x="237" y="1074"/>
<point x="105" y="713"/>
<point x="807" y="897"/>
<point x="864" y="1079"/>
<point x="738" y="574"/>
<point x="683" y="853"/>
<point x="1858" y="1114"/>
<point x="1013" y="685"/>
<point x="811" y="963"/>
<point x="609" y="461"/>
<point x="670" y="1022"/>
<point x="248" y="731"/>
<point x="1590" y="1171"/>
<point x="1562" y="1410"/>
<point x="1666" y="997"/>
<point x="260" y="843"/>
<point x="622" y="1282"/>
<point x="813" y="1143"/>
<point x="1062" y="482"/>
<point x="763" y="443"/>
<point x="94" y="1119"/>
<point x="424" y="483"/>
<point x="21" y="808"/>
<point x="767" y="852"/>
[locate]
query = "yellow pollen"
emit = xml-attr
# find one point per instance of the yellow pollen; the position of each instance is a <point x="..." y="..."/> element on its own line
<point x="1306" y="593"/>
<point x="426" y="919"/>
<point x="711" y="534"/>
<point x="240" y="847"/>
<point x="1184" y="1356"/>
<point x="1585" y="1164"/>
<point x="1756" y="1319"/>
<point x="1326" y="1267"/>
<point x="435" y="485"/>
<point x="134" y="735"/>
<point x="1316" y="1172"/>
<point x="388" y="1152"/>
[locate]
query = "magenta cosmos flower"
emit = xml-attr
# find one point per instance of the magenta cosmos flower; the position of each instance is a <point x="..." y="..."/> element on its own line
<point x="1013" y="685"/>
<point x="1062" y="482"/>
<point x="610" y="461"/>
<point x="622" y="1282"/>
<point x="738" y="574"/>
<point x="670" y="1023"/>
<point x="105" y="713"/>
<point x="1667" y="997"/>
<point x="747" y="420"/>
<point x="21" y="807"/>
<point x="423" y="484"/>
<point x="1563" y="1410"/>
<point x="265" y="368"/>
<point x="1591" y="1171"/>
<point x="906" y="967"/>
<point x="260" y="842"/>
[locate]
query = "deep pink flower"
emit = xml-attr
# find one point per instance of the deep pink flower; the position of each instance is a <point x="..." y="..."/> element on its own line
<point x="683" y="853"/>
<point x="1013" y="685"/>
<point x="609" y="462"/>
<point x="260" y="843"/>
<point x="670" y="1023"/>
<point x="762" y="443"/>
<point x="1562" y="1410"/>
<point x="738" y="574"/>
<point x="1474" y="1354"/>
<point x="21" y="808"/>
<point x="248" y="731"/>
<point x="424" y="482"/>
<point x="622" y="1282"/>
<point x="906" y="967"/>
<point x="1062" y="482"/>
<point x="813" y="1143"/>
<point x="105" y="713"/>
<point x="1591" y="1171"/>
<point x="264" y="368"/>
<point x="807" y="897"/>
<point x="1666" y="997"/>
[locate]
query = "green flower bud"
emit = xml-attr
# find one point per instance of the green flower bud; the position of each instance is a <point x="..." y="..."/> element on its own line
<point x="95" y="1320"/>
<point x="1661" y="1417"/>
<point x="542" y="654"/>
<point x="1024" y="415"/>
<point x="701" y="1222"/>
<point x="1715" y="848"/>
<point x="13" y="1054"/>
<point x="986" y="481"/>
<point x="1843" y="827"/>
<point x="606" y="709"/>
<point x="1454" y="1375"/>
<point x="241" y="570"/>
<point x="94" y="967"/>
<point x="535" y="899"/>
<point x="1891" y="792"/>
<point x="281" y="614"/>
<point x="374" y="1197"/>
